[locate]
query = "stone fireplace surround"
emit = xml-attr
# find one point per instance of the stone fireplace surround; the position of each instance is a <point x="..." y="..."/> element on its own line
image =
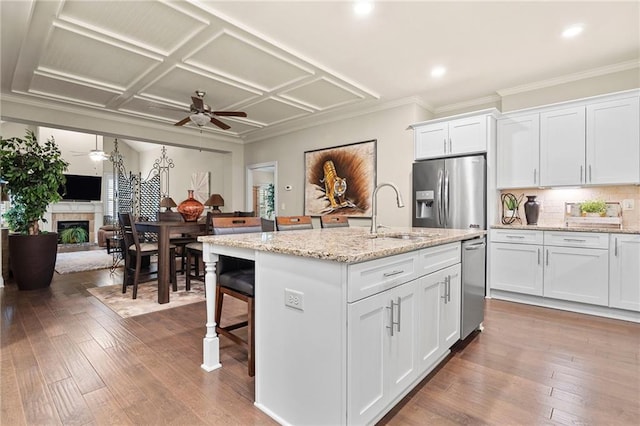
<point x="91" y="211"/>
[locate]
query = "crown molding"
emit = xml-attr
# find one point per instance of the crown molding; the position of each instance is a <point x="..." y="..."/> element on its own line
<point x="595" y="72"/>
<point x="467" y="104"/>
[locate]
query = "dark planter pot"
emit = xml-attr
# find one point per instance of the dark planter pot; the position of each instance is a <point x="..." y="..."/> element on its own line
<point x="33" y="259"/>
<point x="532" y="210"/>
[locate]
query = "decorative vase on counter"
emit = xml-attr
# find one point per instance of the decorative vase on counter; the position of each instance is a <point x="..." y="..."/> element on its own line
<point x="190" y="209"/>
<point x="532" y="210"/>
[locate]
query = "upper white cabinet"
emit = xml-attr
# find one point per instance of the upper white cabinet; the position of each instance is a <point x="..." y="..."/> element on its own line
<point x="613" y="142"/>
<point x="519" y="151"/>
<point x="562" y="147"/>
<point x="444" y="138"/>
<point x="588" y="142"/>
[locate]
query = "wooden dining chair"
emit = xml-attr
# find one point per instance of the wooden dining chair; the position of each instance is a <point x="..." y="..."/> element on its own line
<point x="194" y="268"/>
<point x="135" y="250"/>
<point x="334" y="221"/>
<point x="236" y="278"/>
<point x="292" y="223"/>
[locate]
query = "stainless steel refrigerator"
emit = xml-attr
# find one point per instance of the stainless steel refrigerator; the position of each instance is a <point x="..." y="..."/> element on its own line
<point x="451" y="193"/>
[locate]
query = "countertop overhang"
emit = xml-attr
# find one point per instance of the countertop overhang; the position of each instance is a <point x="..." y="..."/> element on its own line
<point x="346" y="245"/>
<point x="562" y="227"/>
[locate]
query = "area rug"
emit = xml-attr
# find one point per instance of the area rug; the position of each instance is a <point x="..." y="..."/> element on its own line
<point x="147" y="300"/>
<point x="78" y="261"/>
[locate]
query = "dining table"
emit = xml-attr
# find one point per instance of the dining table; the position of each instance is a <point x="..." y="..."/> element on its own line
<point x="164" y="229"/>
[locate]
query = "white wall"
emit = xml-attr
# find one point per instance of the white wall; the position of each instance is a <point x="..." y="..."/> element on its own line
<point x="394" y="158"/>
<point x="75" y="149"/>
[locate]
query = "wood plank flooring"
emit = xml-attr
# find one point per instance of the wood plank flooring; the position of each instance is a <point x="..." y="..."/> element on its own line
<point x="67" y="359"/>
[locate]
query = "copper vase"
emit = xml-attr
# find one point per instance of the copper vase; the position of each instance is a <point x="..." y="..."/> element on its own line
<point x="190" y="209"/>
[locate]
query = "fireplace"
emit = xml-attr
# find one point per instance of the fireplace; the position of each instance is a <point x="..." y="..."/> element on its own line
<point x="63" y="225"/>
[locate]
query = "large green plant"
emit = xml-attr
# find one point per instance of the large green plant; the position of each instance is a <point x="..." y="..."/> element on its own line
<point x="33" y="173"/>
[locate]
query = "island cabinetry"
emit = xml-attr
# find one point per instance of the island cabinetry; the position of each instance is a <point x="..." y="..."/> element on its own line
<point x="517" y="261"/>
<point x="444" y="138"/>
<point x="395" y="337"/>
<point x="624" y="272"/>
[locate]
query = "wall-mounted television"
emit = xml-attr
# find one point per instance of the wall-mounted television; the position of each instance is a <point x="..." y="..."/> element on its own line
<point x="81" y="188"/>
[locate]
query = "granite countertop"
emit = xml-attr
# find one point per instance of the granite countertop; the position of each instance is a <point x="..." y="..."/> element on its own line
<point x="348" y="245"/>
<point x="563" y="227"/>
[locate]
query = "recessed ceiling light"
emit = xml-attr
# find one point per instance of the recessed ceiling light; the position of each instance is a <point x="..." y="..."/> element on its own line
<point x="438" y="71"/>
<point x="572" y="31"/>
<point x="363" y="7"/>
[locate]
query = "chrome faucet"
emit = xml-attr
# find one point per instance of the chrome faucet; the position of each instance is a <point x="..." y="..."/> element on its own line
<point x="374" y="213"/>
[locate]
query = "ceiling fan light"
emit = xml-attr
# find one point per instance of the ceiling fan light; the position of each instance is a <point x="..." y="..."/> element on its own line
<point x="97" y="155"/>
<point x="199" y="119"/>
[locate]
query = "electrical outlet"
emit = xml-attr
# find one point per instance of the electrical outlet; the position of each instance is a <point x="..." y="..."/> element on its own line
<point x="627" y="204"/>
<point x="294" y="299"/>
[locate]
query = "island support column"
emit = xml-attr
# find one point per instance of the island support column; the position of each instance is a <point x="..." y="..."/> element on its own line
<point x="210" y="343"/>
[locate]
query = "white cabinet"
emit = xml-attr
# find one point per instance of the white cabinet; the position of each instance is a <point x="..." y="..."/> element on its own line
<point x="562" y="147"/>
<point x="624" y="272"/>
<point x="518" y="151"/>
<point x="464" y="135"/>
<point x="577" y="274"/>
<point x="613" y="142"/>
<point x="382" y="332"/>
<point x="517" y="268"/>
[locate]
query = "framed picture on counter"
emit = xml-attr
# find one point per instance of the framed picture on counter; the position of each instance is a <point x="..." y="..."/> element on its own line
<point x="340" y="180"/>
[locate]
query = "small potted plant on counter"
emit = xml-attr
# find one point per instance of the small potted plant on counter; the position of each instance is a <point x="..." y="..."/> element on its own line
<point x="33" y="172"/>
<point x="593" y="208"/>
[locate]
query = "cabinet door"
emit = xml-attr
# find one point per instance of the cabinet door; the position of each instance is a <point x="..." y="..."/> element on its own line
<point x="367" y="347"/>
<point x="613" y="151"/>
<point x="430" y="342"/>
<point x="519" y="151"/>
<point x="403" y="362"/>
<point x="467" y="135"/>
<point x="517" y="268"/>
<point x="431" y="141"/>
<point x="562" y="147"/>
<point x="450" y="318"/>
<point x="577" y="274"/>
<point x="624" y="274"/>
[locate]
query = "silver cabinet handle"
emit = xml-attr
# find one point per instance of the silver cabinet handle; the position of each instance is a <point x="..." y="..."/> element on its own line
<point x="391" y="307"/>
<point x="538" y="256"/>
<point x="575" y="240"/>
<point x="616" y="248"/>
<point x="581" y="174"/>
<point x="444" y="145"/>
<point x="547" y="257"/>
<point x="399" y="313"/>
<point x="535" y="175"/>
<point x="590" y="173"/>
<point x="516" y="236"/>
<point x="392" y="273"/>
<point x="450" y="146"/>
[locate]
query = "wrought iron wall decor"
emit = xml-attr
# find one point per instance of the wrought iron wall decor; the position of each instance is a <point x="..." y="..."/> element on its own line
<point x="161" y="167"/>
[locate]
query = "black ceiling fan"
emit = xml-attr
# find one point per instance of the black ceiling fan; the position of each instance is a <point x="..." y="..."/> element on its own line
<point x="201" y="113"/>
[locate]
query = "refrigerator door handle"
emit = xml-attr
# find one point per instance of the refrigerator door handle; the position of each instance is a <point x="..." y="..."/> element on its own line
<point x="439" y="217"/>
<point x="446" y="197"/>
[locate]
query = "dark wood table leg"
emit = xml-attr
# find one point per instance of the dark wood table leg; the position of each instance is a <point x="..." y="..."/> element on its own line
<point x="163" y="265"/>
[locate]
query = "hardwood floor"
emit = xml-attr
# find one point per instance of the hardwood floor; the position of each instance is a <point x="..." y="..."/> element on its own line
<point x="67" y="359"/>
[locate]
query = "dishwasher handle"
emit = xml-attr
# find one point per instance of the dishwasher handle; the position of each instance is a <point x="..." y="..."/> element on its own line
<point x="475" y="246"/>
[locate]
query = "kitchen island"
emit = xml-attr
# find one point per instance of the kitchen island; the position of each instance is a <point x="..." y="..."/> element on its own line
<point x="346" y="324"/>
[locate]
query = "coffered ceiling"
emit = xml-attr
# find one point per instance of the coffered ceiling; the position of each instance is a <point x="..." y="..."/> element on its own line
<point x="286" y="63"/>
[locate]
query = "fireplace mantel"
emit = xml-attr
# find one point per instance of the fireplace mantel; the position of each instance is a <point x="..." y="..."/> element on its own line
<point x="65" y="210"/>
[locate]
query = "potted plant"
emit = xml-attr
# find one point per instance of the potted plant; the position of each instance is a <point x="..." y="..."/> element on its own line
<point x="593" y="208"/>
<point x="33" y="172"/>
<point x="74" y="235"/>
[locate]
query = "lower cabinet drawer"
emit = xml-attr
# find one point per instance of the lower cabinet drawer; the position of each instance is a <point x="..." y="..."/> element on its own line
<point x="576" y="239"/>
<point x="435" y="258"/>
<point x="368" y="278"/>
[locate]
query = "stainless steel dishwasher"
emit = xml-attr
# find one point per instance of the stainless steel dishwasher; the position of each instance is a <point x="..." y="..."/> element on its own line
<point x="473" y="283"/>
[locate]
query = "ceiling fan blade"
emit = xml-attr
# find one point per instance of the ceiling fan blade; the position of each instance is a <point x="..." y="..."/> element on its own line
<point x="182" y="122"/>
<point x="198" y="103"/>
<point x="230" y="113"/>
<point x="220" y="124"/>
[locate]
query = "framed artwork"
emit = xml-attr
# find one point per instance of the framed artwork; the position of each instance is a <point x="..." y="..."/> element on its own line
<point x="200" y="186"/>
<point x="340" y="180"/>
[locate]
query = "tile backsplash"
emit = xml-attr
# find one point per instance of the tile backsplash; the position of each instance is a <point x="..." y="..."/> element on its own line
<point x="552" y="201"/>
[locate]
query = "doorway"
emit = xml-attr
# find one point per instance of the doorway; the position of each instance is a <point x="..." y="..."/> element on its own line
<point x="261" y="189"/>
